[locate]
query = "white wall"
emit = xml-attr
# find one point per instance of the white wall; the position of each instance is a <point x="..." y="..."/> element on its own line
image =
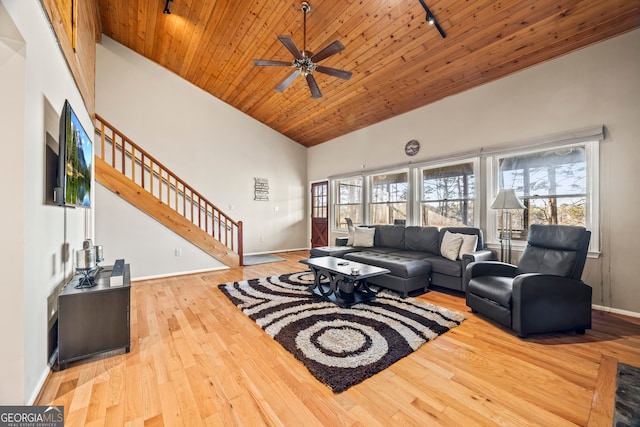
<point x="12" y="85"/>
<point x="37" y="80"/>
<point x="598" y="85"/>
<point x="215" y="148"/>
<point x="141" y="234"/>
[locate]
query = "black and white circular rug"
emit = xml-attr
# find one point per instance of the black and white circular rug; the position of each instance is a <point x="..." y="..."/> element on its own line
<point x="340" y="346"/>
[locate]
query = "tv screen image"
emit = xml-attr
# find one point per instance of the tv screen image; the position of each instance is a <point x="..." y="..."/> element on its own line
<point x="76" y="159"/>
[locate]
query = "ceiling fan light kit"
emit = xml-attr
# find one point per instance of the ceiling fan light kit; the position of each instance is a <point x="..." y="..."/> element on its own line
<point x="305" y="62"/>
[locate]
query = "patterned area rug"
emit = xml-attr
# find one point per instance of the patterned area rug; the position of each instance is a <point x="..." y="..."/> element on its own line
<point x="341" y="347"/>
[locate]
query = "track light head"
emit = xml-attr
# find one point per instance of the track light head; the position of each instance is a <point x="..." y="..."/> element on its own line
<point x="166" y="10"/>
<point x="432" y="19"/>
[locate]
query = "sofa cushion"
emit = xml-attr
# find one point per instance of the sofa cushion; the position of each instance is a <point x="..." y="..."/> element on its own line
<point x="422" y="239"/>
<point x="450" y="246"/>
<point x="380" y="250"/>
<point x="397" y="265"/>
<point x="411" y="254"/>
<point x="363" y="237"/>
<point x="445" y="266"/>
<point x="335" y="251"/>
<point x="390" y="236"/>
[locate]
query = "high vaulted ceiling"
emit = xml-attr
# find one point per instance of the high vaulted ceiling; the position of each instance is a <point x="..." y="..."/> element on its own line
<point x="399" y="61"/>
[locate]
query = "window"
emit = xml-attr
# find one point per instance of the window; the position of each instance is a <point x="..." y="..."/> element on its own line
<point x="319" y="202"/>
<point x="448" y="195"/>
<point x="556" y="177"/>
<point x="348" y="202"/>
<point x="554" y="185"/>
<point x="389" y="193"/>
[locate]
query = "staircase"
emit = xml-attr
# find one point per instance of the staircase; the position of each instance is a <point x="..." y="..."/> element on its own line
<point x="129" y="171"/>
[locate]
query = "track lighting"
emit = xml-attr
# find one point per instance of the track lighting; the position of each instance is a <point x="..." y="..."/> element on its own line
<point x="432" y="19"/>
<point x="166" y="10"/>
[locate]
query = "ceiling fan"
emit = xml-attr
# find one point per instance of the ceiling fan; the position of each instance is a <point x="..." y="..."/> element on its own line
<point x="305" y="62"/>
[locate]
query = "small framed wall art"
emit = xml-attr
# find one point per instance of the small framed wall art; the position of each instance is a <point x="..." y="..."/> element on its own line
<point x="261" y="189"/>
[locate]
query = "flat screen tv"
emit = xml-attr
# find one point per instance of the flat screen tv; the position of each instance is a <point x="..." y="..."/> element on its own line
<point x="75" y="160"/>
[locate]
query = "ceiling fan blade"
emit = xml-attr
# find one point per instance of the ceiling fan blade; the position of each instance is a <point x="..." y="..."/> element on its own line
<point x="331" y="49"/>
<point x="291" y="46"/>
<point x="267" y="63"/>
<point x="313" y="86"/>
<point x="334" y="72"/>
<point x="286" y="82"/>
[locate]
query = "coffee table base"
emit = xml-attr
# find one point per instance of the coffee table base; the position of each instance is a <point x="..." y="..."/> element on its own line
<point x="341" y="290"/>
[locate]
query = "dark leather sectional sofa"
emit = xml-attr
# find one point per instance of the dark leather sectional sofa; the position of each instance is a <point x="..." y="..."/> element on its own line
<point x="412" y="254"/>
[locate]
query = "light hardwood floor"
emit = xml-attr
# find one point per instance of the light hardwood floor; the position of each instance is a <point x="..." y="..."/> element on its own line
<point x="197" y="360"/>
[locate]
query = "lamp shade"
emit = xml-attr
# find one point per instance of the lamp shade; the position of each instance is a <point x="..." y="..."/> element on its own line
<point x="507" y="199"/>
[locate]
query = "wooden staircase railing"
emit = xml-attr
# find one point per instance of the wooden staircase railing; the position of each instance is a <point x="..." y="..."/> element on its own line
<point x="118" y="152"/>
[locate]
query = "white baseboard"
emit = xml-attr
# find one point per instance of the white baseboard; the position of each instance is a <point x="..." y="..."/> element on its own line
<point x="615" y="310"/>
<point x="278" y="251"/>
<point x="38" y="387"/>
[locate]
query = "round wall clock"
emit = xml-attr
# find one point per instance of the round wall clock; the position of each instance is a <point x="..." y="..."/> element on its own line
<point x="412" y="147"/>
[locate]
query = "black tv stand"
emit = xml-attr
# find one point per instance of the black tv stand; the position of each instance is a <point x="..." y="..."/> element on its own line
<point x="93" y="320"/>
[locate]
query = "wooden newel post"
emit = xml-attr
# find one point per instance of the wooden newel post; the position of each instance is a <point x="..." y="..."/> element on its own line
<point x="240" y="250"/>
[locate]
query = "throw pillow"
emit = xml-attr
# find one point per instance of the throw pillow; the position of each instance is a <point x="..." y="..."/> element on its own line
<point x="469" y="244"/>
<point x="351" y="229"/>
<point x="363" y="236"/>
<point x="450" y="246"/>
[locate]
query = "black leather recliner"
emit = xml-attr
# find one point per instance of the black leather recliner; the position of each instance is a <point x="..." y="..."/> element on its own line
<point x="544" y="292"/>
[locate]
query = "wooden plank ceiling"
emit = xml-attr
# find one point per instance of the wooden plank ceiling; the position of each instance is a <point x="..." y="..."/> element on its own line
<point x="399" y="61"/>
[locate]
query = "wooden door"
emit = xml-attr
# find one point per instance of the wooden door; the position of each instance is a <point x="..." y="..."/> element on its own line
<point x="319" y="214"/>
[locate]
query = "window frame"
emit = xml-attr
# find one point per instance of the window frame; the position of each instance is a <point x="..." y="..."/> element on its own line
<point x="486" y="181"/>
<point x="368" y="205"/>
<point x="592" y="202"/>
<point x="334" y="190"/>
<point x="477" y="176"/>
